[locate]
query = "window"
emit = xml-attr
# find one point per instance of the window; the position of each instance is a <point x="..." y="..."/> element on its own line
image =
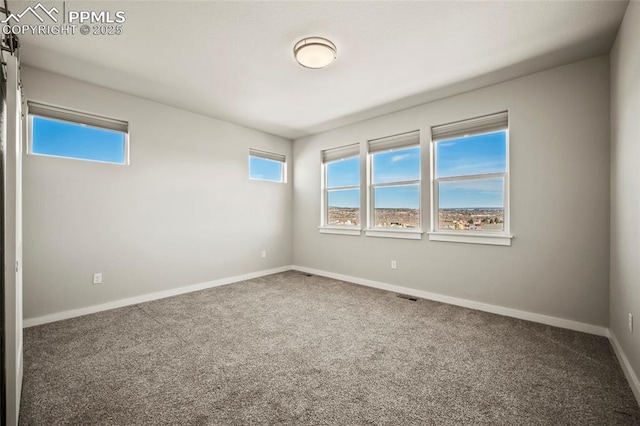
<point x="470" y="185"/>
<point x="60" y="132"/>
<point x="394" y="190"/>
<point x="267" y="166"/>
<point x="341" y="190"/>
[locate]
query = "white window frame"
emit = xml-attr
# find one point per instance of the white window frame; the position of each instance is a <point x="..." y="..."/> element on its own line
<point x="379" y="146"/>
<point x="331" y="156"/>
<point x="471" y="127"/>
<point x="269" y="156"/>
<point x="66" y="115"/>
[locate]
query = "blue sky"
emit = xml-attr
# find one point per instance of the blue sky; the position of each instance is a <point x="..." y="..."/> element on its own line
<point x="261" y="168"/>
<point x="394" y="166"/>
<point x="473" y="155"/>
<point x="57" y="138"/>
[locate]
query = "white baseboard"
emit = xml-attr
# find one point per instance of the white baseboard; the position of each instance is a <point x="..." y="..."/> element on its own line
<point x="30" y="322"/>
<point x="529" y="316"/>
<point x="634" y="382"/>
<point x="515" y="313"/>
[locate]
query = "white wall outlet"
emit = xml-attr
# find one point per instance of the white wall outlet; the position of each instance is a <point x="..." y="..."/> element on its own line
<point x="630" y="323"/>
<point x="97" y="278"/>
<point x="394" y="264"/>
<point x="264" y="254"/>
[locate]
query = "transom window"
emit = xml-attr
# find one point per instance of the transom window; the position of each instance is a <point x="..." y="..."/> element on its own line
<point x="61" y="132"/>
<point x="470" y="185"/>
<point x="267" y="166"/>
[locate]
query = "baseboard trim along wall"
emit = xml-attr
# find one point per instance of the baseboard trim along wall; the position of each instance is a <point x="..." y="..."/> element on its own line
<point x="634" y="382"/>
<point x="529" y="316"/>
<point x="632" y="378"/>
<point x="514" y="313"/>
<point x="465" y="303"/>
<point x="30" y="322"/>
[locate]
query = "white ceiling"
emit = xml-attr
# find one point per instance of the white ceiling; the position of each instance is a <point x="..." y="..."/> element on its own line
<point x="234" y="61"/>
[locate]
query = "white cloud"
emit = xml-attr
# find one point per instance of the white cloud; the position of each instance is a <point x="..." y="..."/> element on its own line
<point x="492" y="185"/>
<point x="470" y="166"/>
<point x="399" y="157"/>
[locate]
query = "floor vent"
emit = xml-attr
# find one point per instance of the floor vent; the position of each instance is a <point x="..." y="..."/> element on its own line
<point x="306" y="274"/>
<point x="406" y="296"/>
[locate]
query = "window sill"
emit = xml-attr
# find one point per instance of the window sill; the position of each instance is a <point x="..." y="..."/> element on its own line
<point x="472" y="238"/>
<point x="413" y="234"/>
<point x="339" y="230"/>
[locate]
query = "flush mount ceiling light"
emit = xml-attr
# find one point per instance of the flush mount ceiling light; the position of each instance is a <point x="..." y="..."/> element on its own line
<point x="314" y="52"/>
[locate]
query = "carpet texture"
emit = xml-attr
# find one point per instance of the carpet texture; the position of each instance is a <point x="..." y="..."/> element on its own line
<point x="296" y="349"/>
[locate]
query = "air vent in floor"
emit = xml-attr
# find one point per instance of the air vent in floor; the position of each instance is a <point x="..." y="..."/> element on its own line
<point x="406" y="296"/>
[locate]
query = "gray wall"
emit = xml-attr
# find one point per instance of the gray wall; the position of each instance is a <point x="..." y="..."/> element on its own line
<point x="625" y="179"/>
<point x="558" y="264"/>
<point x="183" y="212"/>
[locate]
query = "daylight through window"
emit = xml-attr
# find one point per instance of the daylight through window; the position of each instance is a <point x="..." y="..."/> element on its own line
<point x="267" y="166"/>
<point x="341" y="186"/>
<point x="60" y="132"/>
<point x="470" y="186"/>
<point x="395" y="182"/>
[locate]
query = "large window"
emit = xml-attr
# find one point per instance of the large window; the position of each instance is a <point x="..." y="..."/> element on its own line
<point x="470" y="184"/>
<point x="60" y="132"/>
<point x="341" y="187"/>
<point x="267" y="166"/>
<point x="394" y="190"/>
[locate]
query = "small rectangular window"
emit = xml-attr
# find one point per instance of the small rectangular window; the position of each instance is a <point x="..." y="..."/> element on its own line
<point x="395" y="182"/>
<point x="470" y="186"/>
<point x="267" y="166"/>
<point x="341" y="187"/>
<point x="61" y="132"/>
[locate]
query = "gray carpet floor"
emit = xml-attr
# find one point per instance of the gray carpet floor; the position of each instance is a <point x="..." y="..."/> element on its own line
<point x="296" y="349"/>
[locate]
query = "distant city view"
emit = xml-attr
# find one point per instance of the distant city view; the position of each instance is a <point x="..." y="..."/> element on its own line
<point x="397" y="218"/>
<point x="388" y="218"/>
<point x="477" y="219"/>
<point x="470" y="182"/>
<point x="472" y="219"/>
<point x="343" y="216"/>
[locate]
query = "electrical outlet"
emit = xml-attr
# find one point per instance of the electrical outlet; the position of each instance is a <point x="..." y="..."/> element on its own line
<point x="630" y="323"/>
<point x="264" y="254"/>
<point x="97" y="278"/>
<point x="394" y="264"/>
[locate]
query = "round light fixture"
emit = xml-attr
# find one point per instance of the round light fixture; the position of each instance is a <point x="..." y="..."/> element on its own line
<point x="314" y="52"/>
